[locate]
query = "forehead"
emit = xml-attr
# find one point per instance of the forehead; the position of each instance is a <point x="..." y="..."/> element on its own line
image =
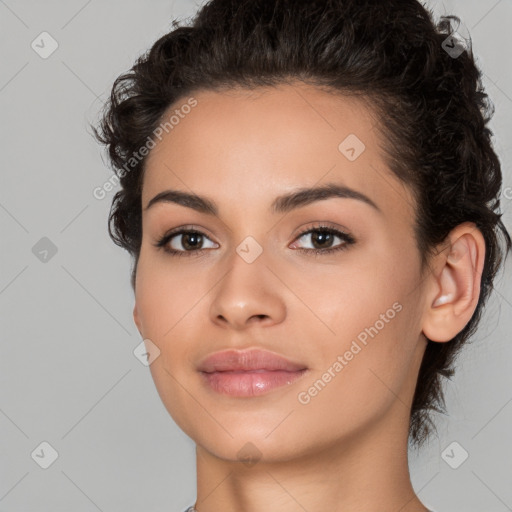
<point x="252" y="145"/>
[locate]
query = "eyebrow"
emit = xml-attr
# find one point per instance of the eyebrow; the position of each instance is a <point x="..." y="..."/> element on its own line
<point x="282" y="204"/>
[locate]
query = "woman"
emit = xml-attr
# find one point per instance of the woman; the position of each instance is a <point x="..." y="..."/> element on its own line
<point x="310" y="196"/>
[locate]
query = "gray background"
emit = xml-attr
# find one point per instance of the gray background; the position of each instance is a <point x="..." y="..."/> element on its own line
<point x="68" y="375"/>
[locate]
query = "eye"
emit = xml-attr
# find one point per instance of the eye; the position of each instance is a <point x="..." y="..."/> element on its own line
<point x="186" y="241"/>
<point x="183" y="241"/>
<point x="322" y="238"/>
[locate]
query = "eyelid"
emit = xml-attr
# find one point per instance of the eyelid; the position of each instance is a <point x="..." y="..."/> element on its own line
<point x="187" y="228"/>
<point x="318" y="225"/>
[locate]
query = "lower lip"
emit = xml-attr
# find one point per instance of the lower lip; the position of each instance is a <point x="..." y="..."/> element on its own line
<point x="250" y="383"/>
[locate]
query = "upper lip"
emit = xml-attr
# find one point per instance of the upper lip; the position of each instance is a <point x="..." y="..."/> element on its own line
<point x="245" y="360"/>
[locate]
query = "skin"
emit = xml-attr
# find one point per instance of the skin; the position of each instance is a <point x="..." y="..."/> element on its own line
<point x="346" y="449"/>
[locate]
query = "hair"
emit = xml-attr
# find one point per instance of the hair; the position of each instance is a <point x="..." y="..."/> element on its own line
<point x="431" y="108"/>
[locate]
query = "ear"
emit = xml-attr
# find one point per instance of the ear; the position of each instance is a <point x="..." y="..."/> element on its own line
<point x="455" y="283"/>
<point x="136" y="319"/>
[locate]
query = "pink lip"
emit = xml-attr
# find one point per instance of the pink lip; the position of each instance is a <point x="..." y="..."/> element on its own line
<point x="249" y="372"/>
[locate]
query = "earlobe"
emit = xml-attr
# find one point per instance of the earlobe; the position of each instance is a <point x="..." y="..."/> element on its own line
<point x="456" y="284"/>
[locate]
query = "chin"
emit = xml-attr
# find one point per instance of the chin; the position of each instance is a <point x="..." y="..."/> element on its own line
<point x="251" y="450"/>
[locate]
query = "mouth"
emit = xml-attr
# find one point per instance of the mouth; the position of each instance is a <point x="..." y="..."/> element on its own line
<point x="248" y="373"/>
<point x="250" y="382"/>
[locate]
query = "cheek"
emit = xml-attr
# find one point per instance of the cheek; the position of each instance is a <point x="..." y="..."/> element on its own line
<point x="366" y="371"/>
<point x="165" y="294"/>
<point x="374" y="326"/>
<point x="165" y="308"/>
<point x="354" y="295"/>
<point x="168" y="306"/>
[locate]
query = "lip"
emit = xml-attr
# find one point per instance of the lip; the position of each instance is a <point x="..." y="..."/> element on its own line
<point x="245" y="373"/>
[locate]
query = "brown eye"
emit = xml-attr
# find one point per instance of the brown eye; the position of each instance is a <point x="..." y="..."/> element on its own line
<point x="323" y="238"/>
<point x="184" y="241"/>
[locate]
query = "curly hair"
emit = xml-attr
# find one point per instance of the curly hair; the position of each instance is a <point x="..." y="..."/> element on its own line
<point x="432" y="114"/>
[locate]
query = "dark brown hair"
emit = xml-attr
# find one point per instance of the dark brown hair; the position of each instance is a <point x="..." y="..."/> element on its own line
<point x="431" y="106"/>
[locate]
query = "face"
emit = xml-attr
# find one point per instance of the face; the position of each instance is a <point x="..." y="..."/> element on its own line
<point x="331" y="283"/>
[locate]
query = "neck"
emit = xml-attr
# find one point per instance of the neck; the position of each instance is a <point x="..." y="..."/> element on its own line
<point x="368" y="471"/>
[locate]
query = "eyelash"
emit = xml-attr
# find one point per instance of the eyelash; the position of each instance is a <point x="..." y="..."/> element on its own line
<point x="347" y="238"/>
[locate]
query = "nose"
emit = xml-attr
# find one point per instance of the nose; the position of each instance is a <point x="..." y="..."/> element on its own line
<point x="248" y="294"/>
